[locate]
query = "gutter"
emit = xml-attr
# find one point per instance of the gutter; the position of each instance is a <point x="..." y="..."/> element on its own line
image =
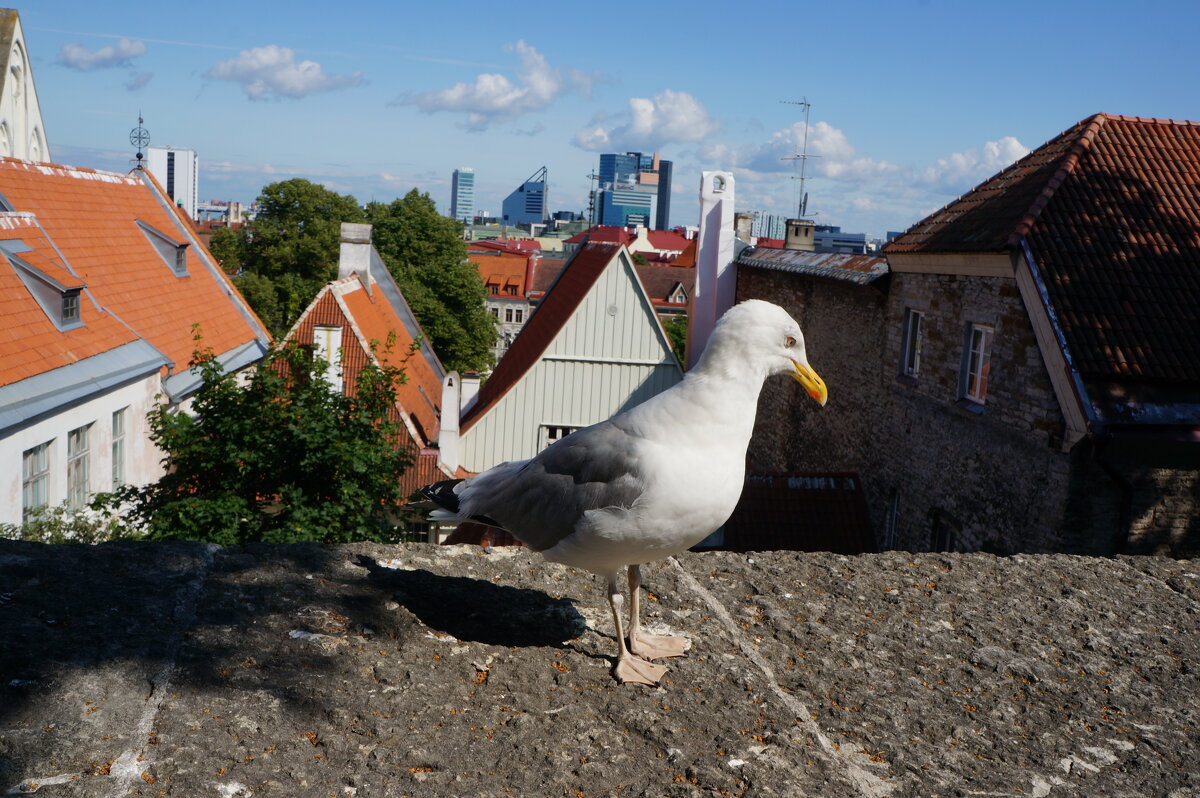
<point x="1094" y="424"/>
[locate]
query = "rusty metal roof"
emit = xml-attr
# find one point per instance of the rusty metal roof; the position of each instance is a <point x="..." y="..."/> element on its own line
<point x="858" y="269"/>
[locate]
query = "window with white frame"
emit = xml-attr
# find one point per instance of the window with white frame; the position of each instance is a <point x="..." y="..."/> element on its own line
<point x="70" y="307"/>
<point x="78" y="465"/>
<point x="119" y="421"/>
<point x="327" y="345"/>
<point x="508" y="314"/>
<point x="910" y="347"/>
<point x="976" y="363"/>
<point x="553" y="432"/>
<point x="518" y="315"/>
<point x="35" y="478"/>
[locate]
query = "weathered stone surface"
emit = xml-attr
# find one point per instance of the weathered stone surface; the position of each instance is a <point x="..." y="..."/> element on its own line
<point x="186" y="670"/>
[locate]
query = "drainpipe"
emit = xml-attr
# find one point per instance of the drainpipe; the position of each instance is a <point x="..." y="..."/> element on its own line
<point x="1120" y="541"/>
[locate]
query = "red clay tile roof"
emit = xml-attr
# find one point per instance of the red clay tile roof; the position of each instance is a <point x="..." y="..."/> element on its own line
<point x="367" y="319"/>
<point x="555" y="309"/>
<point x="1111" y="212"/>
<point x="90" y="218"/>
<point x="499" y="265"/>
<point x="660" y="280"/>
<point x="30" y="343"/>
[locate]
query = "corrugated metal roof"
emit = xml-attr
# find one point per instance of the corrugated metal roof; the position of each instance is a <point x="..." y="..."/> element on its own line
<point x="858" y="269"/>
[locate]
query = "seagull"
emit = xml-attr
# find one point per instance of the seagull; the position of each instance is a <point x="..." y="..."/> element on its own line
<point x="648" y="483"/>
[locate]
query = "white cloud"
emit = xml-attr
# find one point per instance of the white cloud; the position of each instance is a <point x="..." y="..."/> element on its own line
<point x="670" y="117"/>
<point x="76" y="56"/>
<point x="961" y="170"/>
<point x="493" y="98"/>
<point x="856" y="191"/>
<point x="138" y="80"/>
<point x="272" y="71"/>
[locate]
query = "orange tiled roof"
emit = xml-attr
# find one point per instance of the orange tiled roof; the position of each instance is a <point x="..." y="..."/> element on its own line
<point x="30" y="343"/>
<point x="91" y="218"/>
<point x="499" y="265"/>
<point x="1110" y="210"/>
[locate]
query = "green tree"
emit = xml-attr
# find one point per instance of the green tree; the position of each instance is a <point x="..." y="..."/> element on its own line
<point x="290" y="250"/>
<point x="279" y="457"/>
<point x="228" y="246"/>
<point x="426" y="254"/>
<point x="676" y="329"/>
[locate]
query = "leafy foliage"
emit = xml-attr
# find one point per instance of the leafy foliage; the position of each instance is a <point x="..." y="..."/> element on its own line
<point x="60" y="524"/>
<point x="676" y="328"/>
<point x="291" y="249"/>
<point x="277" y="457"/>
<point x="426" y="254"/>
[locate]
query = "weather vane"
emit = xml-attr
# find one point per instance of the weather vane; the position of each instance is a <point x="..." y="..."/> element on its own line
<point x="140" y="138"/>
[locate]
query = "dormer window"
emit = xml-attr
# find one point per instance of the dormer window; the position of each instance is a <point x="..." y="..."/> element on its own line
<point x="70" y="307"/>
<point x="173" y="253"/>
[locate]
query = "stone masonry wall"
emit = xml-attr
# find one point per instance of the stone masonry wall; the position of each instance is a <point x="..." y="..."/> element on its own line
<point x="997" y="478"/>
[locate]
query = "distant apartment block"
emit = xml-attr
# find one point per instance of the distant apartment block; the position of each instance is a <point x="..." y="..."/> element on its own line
<point x="177" y="171"/>
<point x="462" y="195"/>
<point x="528" y="203"/>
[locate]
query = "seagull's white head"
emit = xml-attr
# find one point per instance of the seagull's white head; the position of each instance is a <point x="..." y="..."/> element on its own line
<point x="763" y="335"/>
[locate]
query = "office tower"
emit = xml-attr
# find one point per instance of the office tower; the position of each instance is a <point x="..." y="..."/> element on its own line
<point x="528" y="204"/>
<point x="630" y="185"/>
<point x="177" y="172"/>
<point x="462" y="195"/>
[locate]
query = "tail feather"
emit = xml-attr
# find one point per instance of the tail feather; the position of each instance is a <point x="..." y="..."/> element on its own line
<point x="442" y="494"/>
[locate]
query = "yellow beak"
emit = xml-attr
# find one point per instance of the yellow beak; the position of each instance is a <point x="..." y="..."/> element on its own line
<point x="811" y="381"/>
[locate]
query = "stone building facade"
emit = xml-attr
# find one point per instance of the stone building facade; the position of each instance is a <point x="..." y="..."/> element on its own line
<point x="1053" y="402"/>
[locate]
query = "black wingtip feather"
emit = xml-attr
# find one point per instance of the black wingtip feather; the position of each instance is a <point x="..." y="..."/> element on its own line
<point x="442" y="494"/>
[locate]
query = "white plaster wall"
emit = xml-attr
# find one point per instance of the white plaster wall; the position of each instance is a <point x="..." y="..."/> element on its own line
<point x="142" y="458"/>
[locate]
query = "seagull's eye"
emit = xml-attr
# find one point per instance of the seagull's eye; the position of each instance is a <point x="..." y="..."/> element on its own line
<point x="789" y="342"/>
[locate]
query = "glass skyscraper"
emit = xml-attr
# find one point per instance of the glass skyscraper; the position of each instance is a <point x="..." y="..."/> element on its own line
<point x="462" y="195"/>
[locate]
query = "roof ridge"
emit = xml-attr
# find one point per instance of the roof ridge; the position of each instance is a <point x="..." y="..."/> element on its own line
<point x="543" y="325"/>
<point x="1088" y="128"/>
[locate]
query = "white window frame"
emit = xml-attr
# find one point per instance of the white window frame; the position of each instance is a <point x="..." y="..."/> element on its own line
<point x="120" y="430"/>
<point x="977" y="361"/>
<point x="79" y="466"/>
<point x="910" y="346"/>
<point x="549" y="433"/>
<point x="35" y="478"/>
<point x="327" y="345"/>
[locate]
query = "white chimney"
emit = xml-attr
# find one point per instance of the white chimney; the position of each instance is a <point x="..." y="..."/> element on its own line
<point x="355" y="254"/>
<point x="716" y="276"/>
<point x="448" y="454"/>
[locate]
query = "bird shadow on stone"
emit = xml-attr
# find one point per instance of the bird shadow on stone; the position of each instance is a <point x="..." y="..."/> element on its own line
<point x="478" y="610"/>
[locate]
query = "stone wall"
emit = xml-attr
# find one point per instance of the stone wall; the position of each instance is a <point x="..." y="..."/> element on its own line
<point x="996" y="478"/>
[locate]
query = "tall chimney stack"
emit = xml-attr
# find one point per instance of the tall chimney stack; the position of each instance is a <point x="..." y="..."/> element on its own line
<point x="355" y="254"/>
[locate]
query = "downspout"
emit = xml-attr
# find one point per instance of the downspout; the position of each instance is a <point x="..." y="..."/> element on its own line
<point x="1097" y="432"/>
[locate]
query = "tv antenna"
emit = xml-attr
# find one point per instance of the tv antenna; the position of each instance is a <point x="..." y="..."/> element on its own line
<point x="802" y="157"/>
<point x="140" y="138"/>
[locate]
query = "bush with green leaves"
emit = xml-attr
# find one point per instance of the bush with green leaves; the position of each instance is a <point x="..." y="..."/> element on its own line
<point x="276" y="456"/>
<point x="62" y="524"/>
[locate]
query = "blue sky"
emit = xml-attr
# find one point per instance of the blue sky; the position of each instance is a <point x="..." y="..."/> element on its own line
<point x="913" y="101"/>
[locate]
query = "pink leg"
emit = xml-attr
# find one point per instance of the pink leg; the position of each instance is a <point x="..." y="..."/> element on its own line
<point x="630" y="668"/>
<point x="643" y="644"/>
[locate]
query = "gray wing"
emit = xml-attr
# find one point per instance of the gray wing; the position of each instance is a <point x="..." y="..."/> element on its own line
<point x="540" y="500"/>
